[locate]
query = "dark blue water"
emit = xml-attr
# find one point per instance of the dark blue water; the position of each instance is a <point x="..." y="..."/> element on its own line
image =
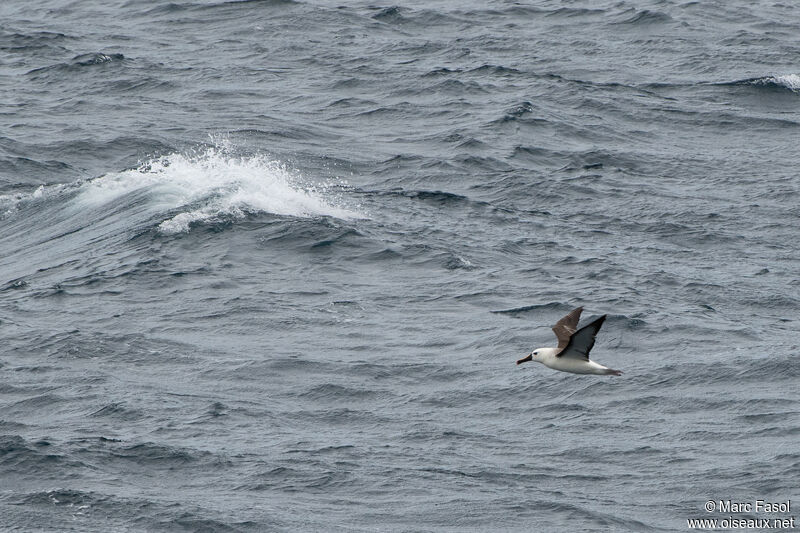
<point x="267" y="265"/>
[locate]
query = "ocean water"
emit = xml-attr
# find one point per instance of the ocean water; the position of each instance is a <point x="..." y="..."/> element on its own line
<point x="268" y="265"/>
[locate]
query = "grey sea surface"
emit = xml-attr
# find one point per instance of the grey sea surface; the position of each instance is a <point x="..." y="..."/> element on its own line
<point x="268" y="265"/>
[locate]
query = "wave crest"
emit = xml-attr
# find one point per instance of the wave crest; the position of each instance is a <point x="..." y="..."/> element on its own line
<point x="788" y="81"/>
<point x="214" y="185"/>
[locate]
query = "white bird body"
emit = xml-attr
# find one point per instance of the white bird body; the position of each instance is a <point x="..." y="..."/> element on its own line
<point x="547" y="356"/>
<point x="572" y="354"/>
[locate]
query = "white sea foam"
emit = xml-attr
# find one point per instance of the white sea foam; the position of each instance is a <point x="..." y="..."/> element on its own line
<point x="214" y="185"/>
<point x="790" y="81"/>
<point x="10" y="203"/>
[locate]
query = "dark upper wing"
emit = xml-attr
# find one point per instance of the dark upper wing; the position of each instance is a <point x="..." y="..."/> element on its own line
<point x="565" y="327"/>
<point x="580" y="344"/>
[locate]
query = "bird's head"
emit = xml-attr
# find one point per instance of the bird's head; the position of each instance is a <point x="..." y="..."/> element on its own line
<point x="535" y="355"/>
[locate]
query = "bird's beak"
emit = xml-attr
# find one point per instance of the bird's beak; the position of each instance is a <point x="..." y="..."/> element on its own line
<point x="526" y="358"/>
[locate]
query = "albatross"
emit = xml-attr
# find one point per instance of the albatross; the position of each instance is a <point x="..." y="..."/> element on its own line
<point x="574" y="345"/>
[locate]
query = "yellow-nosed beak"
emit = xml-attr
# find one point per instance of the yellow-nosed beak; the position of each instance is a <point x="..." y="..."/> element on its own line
<point x="525" y="359"/>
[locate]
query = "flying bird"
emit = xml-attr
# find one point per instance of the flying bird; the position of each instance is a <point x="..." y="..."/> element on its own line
<point x="574" y="345"/>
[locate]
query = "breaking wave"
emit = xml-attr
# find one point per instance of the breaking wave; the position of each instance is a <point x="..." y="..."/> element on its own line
<point x="214" y="185"/>
<point x="207" y="186"/>
<point x="788" y="81"/>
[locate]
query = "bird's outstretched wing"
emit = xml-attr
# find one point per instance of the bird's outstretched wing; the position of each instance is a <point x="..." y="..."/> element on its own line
<point x="581" y="342"/>
<point x="565" y="327"/>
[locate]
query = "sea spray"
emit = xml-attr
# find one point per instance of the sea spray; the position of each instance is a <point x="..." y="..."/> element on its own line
<point x="213" y="185"/>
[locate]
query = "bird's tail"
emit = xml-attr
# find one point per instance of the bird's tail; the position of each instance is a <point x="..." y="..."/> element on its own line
<point x="612" y="372"/>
